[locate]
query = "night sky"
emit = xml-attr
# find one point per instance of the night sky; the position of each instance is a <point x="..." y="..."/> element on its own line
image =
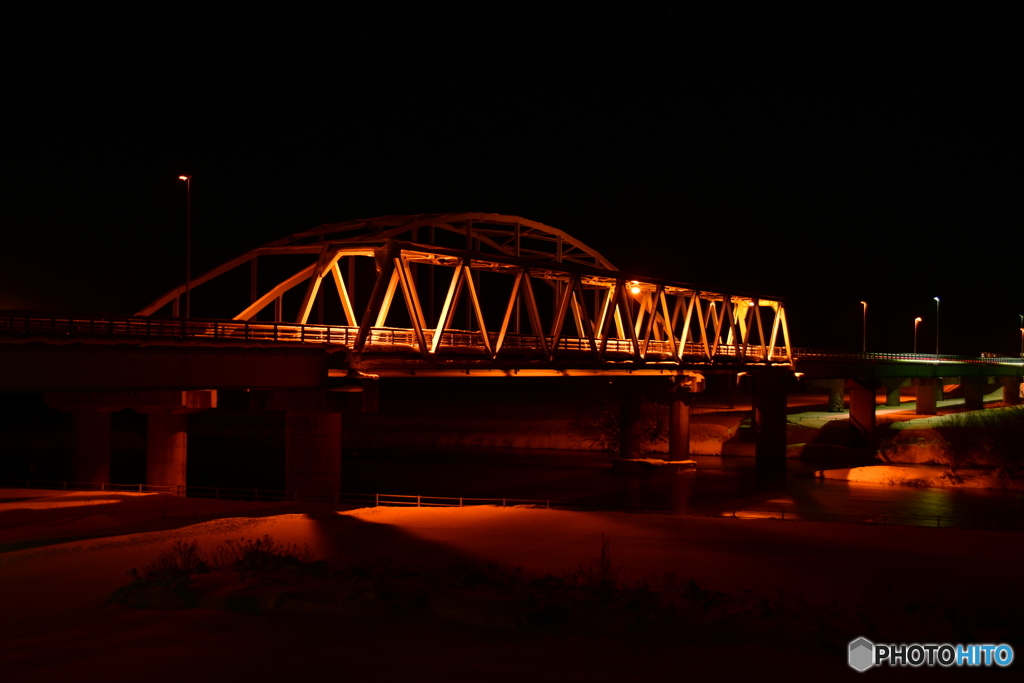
<point x="877" y="165"/>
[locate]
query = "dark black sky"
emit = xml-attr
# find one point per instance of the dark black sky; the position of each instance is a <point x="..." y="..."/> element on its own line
<point x="793" y="158"/>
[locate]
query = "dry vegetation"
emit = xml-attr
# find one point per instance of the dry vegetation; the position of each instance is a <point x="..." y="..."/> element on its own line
<point x="590" y="598"/>
<point x="995" y="436"/>
<point x="990" y="438"/>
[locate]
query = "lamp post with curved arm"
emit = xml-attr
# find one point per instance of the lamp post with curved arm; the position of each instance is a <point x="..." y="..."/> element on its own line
<point x="936" y="325"/>
<point x="917" y="321"/>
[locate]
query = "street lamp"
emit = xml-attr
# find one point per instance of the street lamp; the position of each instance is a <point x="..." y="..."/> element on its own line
<point x="917" y="321"/>
<point x="936" y="325"/>
<point x="188" y="244"/>
<point x="864" y="327"/>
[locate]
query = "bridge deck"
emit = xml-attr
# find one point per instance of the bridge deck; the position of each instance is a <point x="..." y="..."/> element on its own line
<point x="380" y="340"/>
<point x="397" y="352"/>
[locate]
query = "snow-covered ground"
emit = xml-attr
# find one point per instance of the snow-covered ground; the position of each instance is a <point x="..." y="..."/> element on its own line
<point x="63" y="554"/>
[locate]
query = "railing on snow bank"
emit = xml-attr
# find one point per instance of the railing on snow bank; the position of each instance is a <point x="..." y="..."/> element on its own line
<point x="354" y="500"/>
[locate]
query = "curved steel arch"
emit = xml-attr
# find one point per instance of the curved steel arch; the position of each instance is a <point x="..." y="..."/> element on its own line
<point x="615" y="316"/>
<point x="485" y="233"/>
<point x="500" y="233"/>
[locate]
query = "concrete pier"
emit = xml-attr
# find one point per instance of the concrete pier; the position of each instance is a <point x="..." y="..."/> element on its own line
<point x="166" y="437"/>
<point x="1011" y="390"/>
<point x="926" y="395"/>
<point x="835" y="395"/>
<point x="312" y="439"/>
<point x="769" y="423"/>
<point x="313" y="452"/>
<point x="892" y="391"/>
<point x="166" y="449"/>
<point x="679" y="425"/>
<point x="629" y="420"/>
<point x="974" y="392"/>
<point x="90" y="452"/>
<point x="862" y="411"/>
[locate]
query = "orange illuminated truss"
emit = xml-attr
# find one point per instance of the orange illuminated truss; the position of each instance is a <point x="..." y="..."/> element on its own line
<point x="547" y="297"/>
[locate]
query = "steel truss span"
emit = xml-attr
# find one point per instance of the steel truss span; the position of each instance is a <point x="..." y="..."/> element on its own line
<point x="492" y="289"/>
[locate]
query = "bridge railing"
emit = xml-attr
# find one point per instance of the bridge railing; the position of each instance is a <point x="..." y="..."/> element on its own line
<point x="174" y="328"/>
<point x="465" y="340"/>
<point x="277" y="332"/>
<point x="911" y="357"/>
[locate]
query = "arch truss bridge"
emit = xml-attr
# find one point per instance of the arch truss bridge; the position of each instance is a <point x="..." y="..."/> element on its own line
<point x="476" y="290"/>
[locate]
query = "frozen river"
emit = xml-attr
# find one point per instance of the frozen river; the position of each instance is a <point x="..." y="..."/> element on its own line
<point x="720" y="484"/>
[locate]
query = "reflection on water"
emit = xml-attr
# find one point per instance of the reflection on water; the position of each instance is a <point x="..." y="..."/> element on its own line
<point x="719" y="484"/>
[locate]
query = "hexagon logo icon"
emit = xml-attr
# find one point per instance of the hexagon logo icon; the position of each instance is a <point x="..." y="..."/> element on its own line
<point x="862" y="654"/>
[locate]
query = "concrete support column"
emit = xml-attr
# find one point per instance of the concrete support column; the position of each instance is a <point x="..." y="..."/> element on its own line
<point x="974" y="392"/>
<point x="312" y="437"/>
<point x="90" y="452"/>
<point x="166" y="448"/>
<point x="1011" y="390"/>
<point x="892" y="391"/>
<point x="166" y="440"/>
<point x="679" y="425"/>
<point x="835" y="395"/>
<point x="313" y="452"/>
<point x="862" y="412"/>
<point x="629" y="421"/>
<point x="769" y="423"/>
<point x="926" y="395"/>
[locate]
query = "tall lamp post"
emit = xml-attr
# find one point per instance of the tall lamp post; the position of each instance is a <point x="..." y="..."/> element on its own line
<point x="188" y="244"/>
<point x="936" y="326"/>
<point x="917" y="321"/>
<point x="864" y="328"/>
<point x="1022" y="336"/>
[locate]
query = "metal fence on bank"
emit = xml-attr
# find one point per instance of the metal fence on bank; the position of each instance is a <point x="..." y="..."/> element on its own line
<point x="86" y="486"/>
<point x="360" y="500"/>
